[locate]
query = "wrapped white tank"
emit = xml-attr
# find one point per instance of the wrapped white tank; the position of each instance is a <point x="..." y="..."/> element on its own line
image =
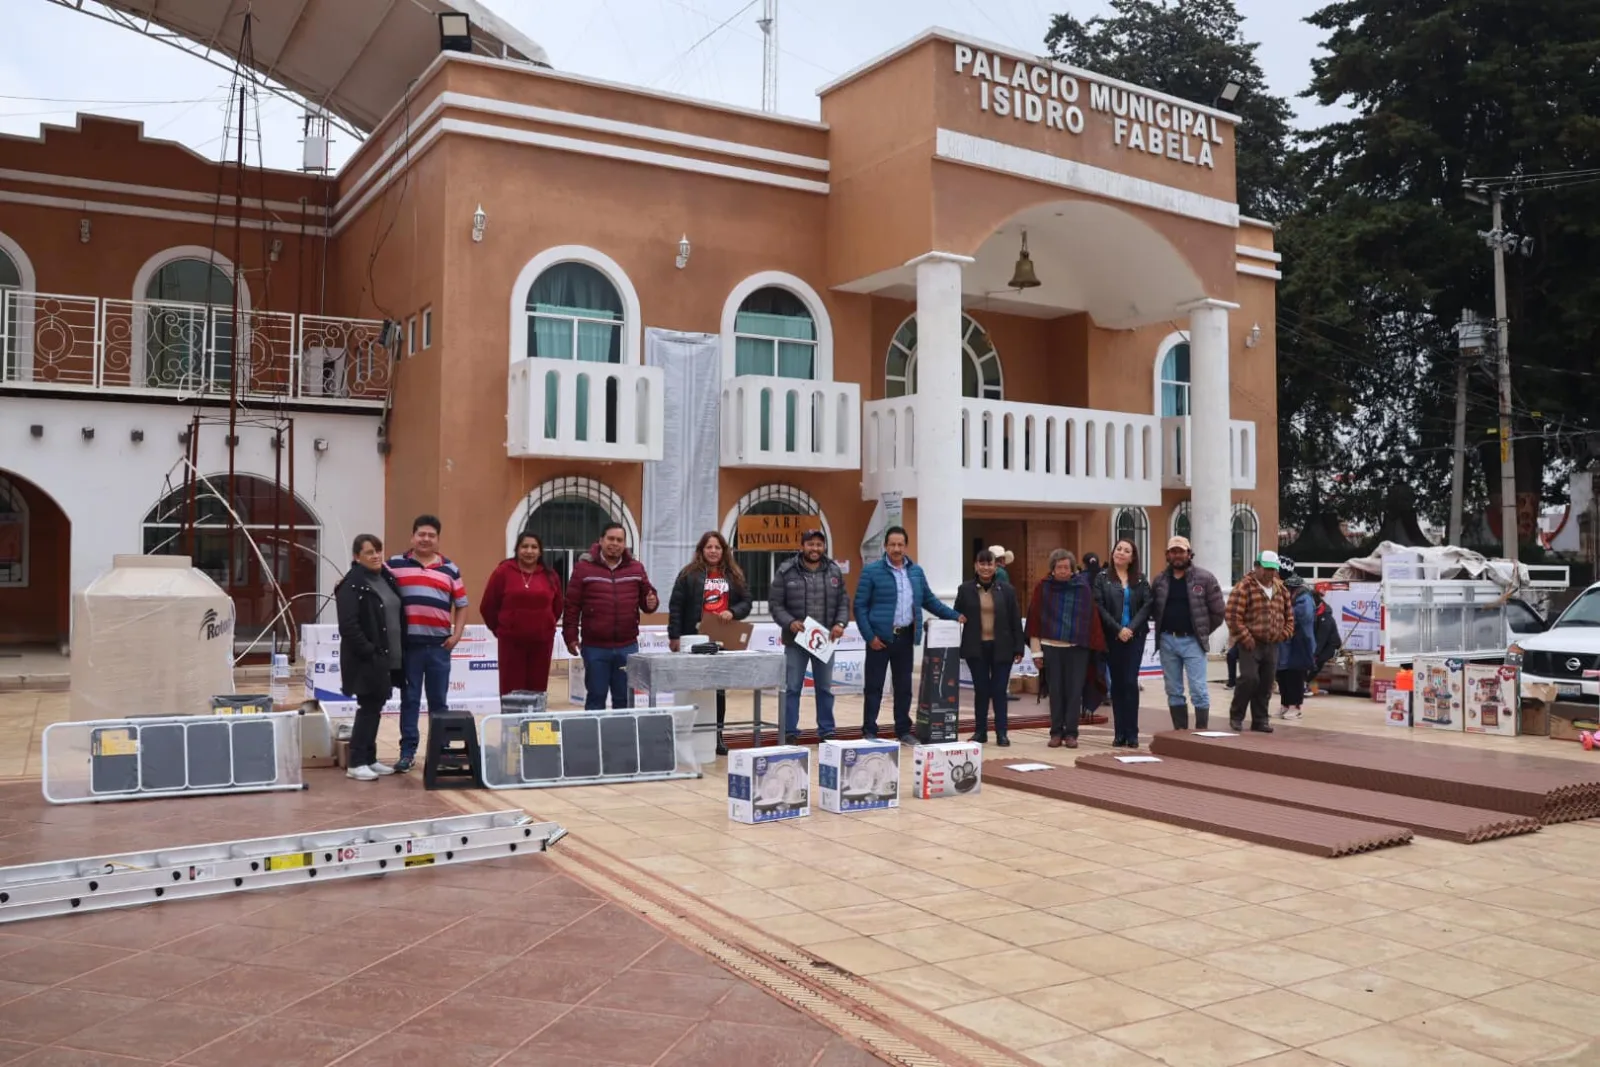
<point x="152" y="636"/>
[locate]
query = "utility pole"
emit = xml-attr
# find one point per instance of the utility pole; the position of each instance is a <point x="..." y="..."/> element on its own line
<point x="769" y="55"/>
<point x="1508" y="470"/>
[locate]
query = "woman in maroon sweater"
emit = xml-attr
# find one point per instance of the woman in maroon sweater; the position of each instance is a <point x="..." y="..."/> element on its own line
<point x="522" y="608"/>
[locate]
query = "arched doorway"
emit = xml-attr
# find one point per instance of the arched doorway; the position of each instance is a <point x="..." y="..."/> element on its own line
<point x="265" y="559"/>
<point x="568" y="515"/>
<point x="760" y="566"/>
<point x="35" y="565"/>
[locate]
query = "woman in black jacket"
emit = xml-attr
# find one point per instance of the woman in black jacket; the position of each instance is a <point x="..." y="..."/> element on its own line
<point x="712" y="582"/>
<point x="371" y="649"/>
<point x="991" y="641"/>
<point x="1123" y="597"/>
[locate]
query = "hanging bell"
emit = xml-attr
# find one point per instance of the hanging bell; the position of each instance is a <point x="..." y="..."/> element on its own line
<point x="1022" y="276"/>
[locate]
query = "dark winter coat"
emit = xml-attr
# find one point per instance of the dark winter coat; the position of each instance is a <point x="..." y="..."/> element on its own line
<point x="364" y="638"/>
<point x="1206" y="606"/>
<point x="1299" y="652"/>
<point x="523" y="607"/>
<point x="1009" y="639"/>
<point x="799" y="592"/>
<point x="688" y="600"/>
<point x="603" y="603"/>
<point x="1108" y="593"/>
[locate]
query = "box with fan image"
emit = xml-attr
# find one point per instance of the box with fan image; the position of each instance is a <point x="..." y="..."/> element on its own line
<point x="949" y="770"/>
<point x="858" y="775"/>
<point x="769" y="784"/>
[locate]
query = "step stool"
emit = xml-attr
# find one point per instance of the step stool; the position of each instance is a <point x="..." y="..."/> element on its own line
<point x="453" y="760"/>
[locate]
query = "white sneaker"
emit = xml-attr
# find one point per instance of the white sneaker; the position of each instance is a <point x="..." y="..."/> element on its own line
<point x="362" y="774"/>
<point x="380" y="769"/>
<point x="1293" y="713"/>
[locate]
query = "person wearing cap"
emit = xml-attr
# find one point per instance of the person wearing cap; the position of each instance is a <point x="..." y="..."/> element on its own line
<point x="1002" y="560"/>
<point x="1186" y="606"/>
<point x="809" y="585"/>
<point x="1297" y="656"/>
<point x="1260" y="616"/>
<point x="890" y="599"/>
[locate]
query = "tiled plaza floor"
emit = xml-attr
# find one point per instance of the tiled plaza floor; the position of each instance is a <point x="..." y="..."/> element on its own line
<point x="1067" y="935"/>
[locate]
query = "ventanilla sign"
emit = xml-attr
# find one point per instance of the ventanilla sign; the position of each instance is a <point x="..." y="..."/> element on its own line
<point x="773" y="533"/>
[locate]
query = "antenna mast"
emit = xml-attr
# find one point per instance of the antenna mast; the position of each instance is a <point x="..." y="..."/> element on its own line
<point x="769" y="55"/>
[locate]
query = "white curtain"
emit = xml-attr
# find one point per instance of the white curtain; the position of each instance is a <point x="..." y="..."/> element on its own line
<point x="680" y="492"/>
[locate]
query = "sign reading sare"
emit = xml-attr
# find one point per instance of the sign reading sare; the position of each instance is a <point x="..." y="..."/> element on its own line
<point x="1038" y="94"/>
<point x="773" y="533"/>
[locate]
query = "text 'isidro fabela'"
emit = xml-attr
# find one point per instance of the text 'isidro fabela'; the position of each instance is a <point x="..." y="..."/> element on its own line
<point x="1037" y="94"/>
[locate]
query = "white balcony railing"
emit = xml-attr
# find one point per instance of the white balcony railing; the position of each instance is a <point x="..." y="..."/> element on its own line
<point x="561" y="408"/>
<point x="1022" y="453"/>
<point x="1175" y="453"/>
<point x="791" y="423"/>
<point x="160" y="347"/>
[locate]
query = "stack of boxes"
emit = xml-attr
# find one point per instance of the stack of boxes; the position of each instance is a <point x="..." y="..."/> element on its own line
<point x="474" y="673"/>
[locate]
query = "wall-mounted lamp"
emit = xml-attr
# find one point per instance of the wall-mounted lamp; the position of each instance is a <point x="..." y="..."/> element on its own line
<point x="183" y="438"/>
<point x="88" y="433"/>
<point x="136" y="436"/>
<point x="479" y="220"/>
<point x="276" y="250"/>
<point x="36" y="430"/>
<point x="1253" y="338"/>
<point x="84" y="228"/>
<point x="683" y="251"/>
<point x="320" y="444"/>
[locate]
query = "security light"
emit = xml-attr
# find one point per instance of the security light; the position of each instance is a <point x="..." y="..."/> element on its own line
<point x="455" y="32"/>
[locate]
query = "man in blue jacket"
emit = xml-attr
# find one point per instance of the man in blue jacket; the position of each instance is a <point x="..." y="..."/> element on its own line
<point x="890" y="600"/>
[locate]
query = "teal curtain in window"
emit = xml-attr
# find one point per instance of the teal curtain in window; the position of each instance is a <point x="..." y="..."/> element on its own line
<point x="754" y="355"/>
<point x="791" y="353"/>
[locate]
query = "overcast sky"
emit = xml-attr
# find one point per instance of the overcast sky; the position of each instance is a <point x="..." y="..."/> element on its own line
<point x="59" y="62"/>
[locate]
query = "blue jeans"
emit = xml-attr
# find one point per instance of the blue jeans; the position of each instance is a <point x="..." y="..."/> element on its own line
<point x="1180" y="656"/>
<point x="427" y="669"/>
<point x="605" y="670"/>
<point x="795" y="662"/>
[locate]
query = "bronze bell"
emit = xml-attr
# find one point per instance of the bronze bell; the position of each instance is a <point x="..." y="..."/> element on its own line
<point x="1023" y="277"/>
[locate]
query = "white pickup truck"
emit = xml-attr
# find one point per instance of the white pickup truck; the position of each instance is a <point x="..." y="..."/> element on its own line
<point x="1567" y="653"/>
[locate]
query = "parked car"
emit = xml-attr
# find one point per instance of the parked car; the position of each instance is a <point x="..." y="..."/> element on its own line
<point x="1565" y="654"/>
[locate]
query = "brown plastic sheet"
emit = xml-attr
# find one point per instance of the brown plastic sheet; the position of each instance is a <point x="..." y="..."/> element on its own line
<point x="1429" y="818"/>
<point x="1478" y="778"/>
<point x="1313" y="832"/>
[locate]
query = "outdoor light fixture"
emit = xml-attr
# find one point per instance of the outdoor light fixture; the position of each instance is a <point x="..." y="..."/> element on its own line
<point x="1022" y="276"/>
<point x="1509" y="243"/>
<point x="1230" y="92"/>
<point x="479" y="220"/>
<point x="683" y="251"/>
<point x="136" y="436"/>
<point x="1253" y="338"/>
<point x="321" y="443"/>
<point x="455" y="32"/>
<point x="84" y="226"/>
<point x="276" y="250"/>
<point x="36" y="430"/>
<point x="88" y="433"/>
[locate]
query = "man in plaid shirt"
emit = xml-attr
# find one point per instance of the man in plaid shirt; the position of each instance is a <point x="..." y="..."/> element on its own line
<point x="1260" y="615"/>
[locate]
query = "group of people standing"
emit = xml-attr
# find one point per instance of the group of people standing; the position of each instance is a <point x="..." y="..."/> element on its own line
<point x="400" y="617"/>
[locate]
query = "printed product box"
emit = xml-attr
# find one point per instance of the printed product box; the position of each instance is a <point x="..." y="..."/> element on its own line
<point x="935" y="726"/>
<point x="1491" y="699"/>
<point x="769" y="784"/>
<point x="1397" y="708"/>
<point x="1439" y="694"/>
<point x="859" y="775"/>
<point x="947" y="770"/>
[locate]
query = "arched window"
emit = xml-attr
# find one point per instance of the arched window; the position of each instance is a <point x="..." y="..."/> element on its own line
<point x="1180" y="521"/>
<point x="1174" y="380"/>
<point x="760" y="566"/>
<point x="13" y="536"/>
<point x="775" y="336"/>
<point x="262" y="517"/>
<point x="574" y="312"/>
<point x="980" y="374"/>
<point x="1246" y="539"/>
<point x="1132" y="524"/>
<point x="188" y="325"/>
<point x="568" y="515"/>
<point x="10" y="318"/>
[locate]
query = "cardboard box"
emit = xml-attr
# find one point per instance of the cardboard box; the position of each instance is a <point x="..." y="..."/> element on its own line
<point x="1568" y="722"/>
<point x="935" y="726"/>
<point x="1383" y="679"/>
<point x="858" y="775"/>
<point x="1397" y="708"/>
<point x="1490" y="701"/>
<point x="1440" y="692"/>
<point x="769" y="784"/>
<point x="1535" y="708"/>
<point x="947" y="770"/>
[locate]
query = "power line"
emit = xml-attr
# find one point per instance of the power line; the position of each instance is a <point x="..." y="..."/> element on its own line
<point x="681" y="56"/>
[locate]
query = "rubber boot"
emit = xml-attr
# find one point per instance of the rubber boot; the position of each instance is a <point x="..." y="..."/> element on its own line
<point x="1202" y="718"/>
<point x="1180" y="716"/>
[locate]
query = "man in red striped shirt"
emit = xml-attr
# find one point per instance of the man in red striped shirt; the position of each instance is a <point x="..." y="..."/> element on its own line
<point x="435" y="601"/>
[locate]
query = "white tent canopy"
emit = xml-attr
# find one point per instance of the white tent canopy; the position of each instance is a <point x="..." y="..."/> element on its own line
<point x="353" y="58"/>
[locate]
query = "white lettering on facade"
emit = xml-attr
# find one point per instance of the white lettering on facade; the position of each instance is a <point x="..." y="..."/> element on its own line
<point x="1032" y="93"/>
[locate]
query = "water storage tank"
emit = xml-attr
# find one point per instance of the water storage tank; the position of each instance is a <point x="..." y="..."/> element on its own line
<point x="151" y="636"/>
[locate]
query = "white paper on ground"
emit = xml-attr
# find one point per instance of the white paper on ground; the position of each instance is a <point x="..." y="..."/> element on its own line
<point x="1138" y="759"/>
<point x="1030" y="767"/>
<point x="816" y="639"/>
<point x="1214" y="733"/>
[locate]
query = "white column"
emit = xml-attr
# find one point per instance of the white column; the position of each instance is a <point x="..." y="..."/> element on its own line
<point x="1210" y="488"/>
<point x="940" y="498"/>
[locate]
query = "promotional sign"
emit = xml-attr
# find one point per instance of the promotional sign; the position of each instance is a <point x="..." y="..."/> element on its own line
<point x="474" y="672"/>
<point x="816" y="639"/>
<point x="773" y="533"/>
<point x="1358" y="609"/>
